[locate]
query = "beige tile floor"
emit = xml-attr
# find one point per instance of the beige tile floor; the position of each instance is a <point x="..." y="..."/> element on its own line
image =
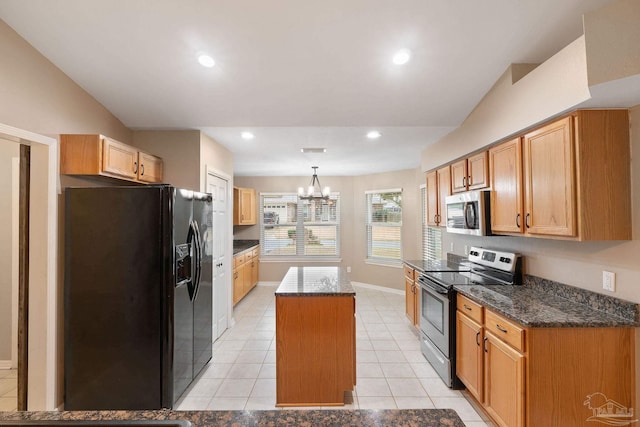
<point x="391" y="371"/>
<point x="8" y="390"/>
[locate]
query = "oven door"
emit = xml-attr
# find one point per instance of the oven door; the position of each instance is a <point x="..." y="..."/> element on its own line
<point x="434" y="313"/>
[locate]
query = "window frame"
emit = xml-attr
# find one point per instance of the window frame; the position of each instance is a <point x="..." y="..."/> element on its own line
<point x="300" y="226"/>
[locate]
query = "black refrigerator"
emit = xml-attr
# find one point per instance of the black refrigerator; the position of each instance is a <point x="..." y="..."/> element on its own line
<point x="137" y="295"/>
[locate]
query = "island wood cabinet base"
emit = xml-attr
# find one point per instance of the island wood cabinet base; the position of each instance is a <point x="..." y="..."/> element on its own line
<point x="315" y="350"/>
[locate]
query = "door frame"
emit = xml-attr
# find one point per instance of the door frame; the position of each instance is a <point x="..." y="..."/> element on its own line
<point x="210" y="171"/>
<point x="42" y="388"/>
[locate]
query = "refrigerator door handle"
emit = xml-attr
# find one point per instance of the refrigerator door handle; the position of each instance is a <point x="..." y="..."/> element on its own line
<point x="192" y="242"/>
<point x="198" y="260"/>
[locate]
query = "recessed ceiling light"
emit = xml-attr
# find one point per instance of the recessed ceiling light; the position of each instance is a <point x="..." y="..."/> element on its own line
<point x="402" y="56"/>
<point x="205" y="60"/>
<point x="247" y="135"/>
<point x="374" y="134"/>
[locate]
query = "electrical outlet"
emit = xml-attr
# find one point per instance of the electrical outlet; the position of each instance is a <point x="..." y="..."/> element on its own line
<point x="348" y="269"/>
<point x="466" y="249"/>
<point x="609" y="281"/>
<point x="452" y="247"/>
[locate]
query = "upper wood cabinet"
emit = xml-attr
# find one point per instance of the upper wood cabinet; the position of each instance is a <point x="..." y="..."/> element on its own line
<point x="438" y="188"/>
<point x="98" y="155"/>
<point x="505" y="162"/>
<point x="244" y="206"/>
<point x="570" y="178"/>
<point x="471" y="173"/>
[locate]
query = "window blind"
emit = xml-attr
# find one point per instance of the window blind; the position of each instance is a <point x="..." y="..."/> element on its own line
<point x="290" y="227"/>
<point x="431" y="236"/>
<point x="384" y="225"/>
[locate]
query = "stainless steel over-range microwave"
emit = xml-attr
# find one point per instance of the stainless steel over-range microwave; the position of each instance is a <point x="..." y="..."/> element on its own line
<point x="468" y="213"/>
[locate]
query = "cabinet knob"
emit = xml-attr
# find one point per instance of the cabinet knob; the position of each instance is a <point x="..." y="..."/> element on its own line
<point x="518" y="220"/>
<point x="141" y="169"/>
<point x="464" y="181"/>
<point x="485" y="345"/>
<point x="477" y="338"/>
<point x="526" y="220"/>
<point x="135" y="167"/>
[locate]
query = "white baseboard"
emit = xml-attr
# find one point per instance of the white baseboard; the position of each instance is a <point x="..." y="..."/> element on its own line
<point x="5" y="364"/>
<point x="378" y="288"/>
<point x="272" y="284"/>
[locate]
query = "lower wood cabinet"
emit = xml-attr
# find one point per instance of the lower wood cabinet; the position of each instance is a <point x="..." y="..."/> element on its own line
<point x="531" y="377"/>
<point x="503" y="382"/>
<point x="412" y="295"/>
<point x="245" y="273"/>
<point x="315" y="350"/>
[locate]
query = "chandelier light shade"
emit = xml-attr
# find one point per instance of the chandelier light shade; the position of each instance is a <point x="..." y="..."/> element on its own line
<point x="312" y="193"/>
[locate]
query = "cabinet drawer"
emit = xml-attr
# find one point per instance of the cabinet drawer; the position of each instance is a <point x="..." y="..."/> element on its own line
<point x="238" y="260"/>
<point x="505" y="330"/>
<point x="254" y="253"/>
<point x="409" y="272"/>
<point x="471" y="309"/>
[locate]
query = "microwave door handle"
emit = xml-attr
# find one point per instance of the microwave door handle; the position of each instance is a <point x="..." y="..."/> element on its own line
<point x="468" y="208"/>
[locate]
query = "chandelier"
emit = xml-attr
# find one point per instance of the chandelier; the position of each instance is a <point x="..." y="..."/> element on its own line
<point x="312" y="194"/>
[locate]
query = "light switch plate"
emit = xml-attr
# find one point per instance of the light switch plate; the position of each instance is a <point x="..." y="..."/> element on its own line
<point x="609" y="281"/>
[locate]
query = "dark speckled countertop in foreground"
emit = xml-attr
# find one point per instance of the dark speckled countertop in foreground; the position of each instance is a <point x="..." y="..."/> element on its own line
<point x="243" y="245"/>
<point x="315" y="281"/>
<point x="304" y="418"/>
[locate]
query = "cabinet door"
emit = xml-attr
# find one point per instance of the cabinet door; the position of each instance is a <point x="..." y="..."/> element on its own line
<point x="444" y="190"/>
<point x="238" y="284"/>
<point x="247" y="275"/>
<point x="410" y="299"/>
<point x="478" y="171"/>
<point x="549" y="184"/>
<point x="119" y="159"/>
<point x="247" y="206"/>
<point x="459" y="176"/>
<point x="503" y="382"/>
<point x="469" y="357"/>
<point x="149" y="168"/>
<point x="432" y="198"/>
<point x="505" y="163"/>
<point x="254" y="271"/>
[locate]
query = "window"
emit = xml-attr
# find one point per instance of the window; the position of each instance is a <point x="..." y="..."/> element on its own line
<point x="431" y="236"/>
<point x="384" y="225"/>
<point x="290" y="227"/>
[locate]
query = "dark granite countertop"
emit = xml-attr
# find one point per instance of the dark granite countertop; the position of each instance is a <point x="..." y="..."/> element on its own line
<point x="533" y="307"/>
<point x="243" y="245"/>
<point x="315" y="281"/>
<point x="335" y="417"/>
<point x="542" y="303"/>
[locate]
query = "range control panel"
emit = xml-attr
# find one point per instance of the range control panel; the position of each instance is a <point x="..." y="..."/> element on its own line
<point x="505" y="261"/>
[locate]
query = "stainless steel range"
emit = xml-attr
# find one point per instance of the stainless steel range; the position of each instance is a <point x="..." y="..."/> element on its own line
<point x="438" y="301"/>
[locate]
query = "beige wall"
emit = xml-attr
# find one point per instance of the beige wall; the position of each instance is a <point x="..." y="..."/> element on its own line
<point x="353" y="247"/>
<point x="216" y="157"/>
<point x="180" y="151"/>
<point x="612" y="36"/>
<point x="36" y="96"/>
<point x="8" y="151"/>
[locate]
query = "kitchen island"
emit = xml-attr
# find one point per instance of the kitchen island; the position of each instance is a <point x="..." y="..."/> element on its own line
<point x="315" y="337"/>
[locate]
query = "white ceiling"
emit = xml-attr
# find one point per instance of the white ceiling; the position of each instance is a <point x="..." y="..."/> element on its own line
<point x="297" y="73"/>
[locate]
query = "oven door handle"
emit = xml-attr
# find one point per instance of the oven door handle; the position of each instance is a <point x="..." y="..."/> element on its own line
<point x="432" y="287"/>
